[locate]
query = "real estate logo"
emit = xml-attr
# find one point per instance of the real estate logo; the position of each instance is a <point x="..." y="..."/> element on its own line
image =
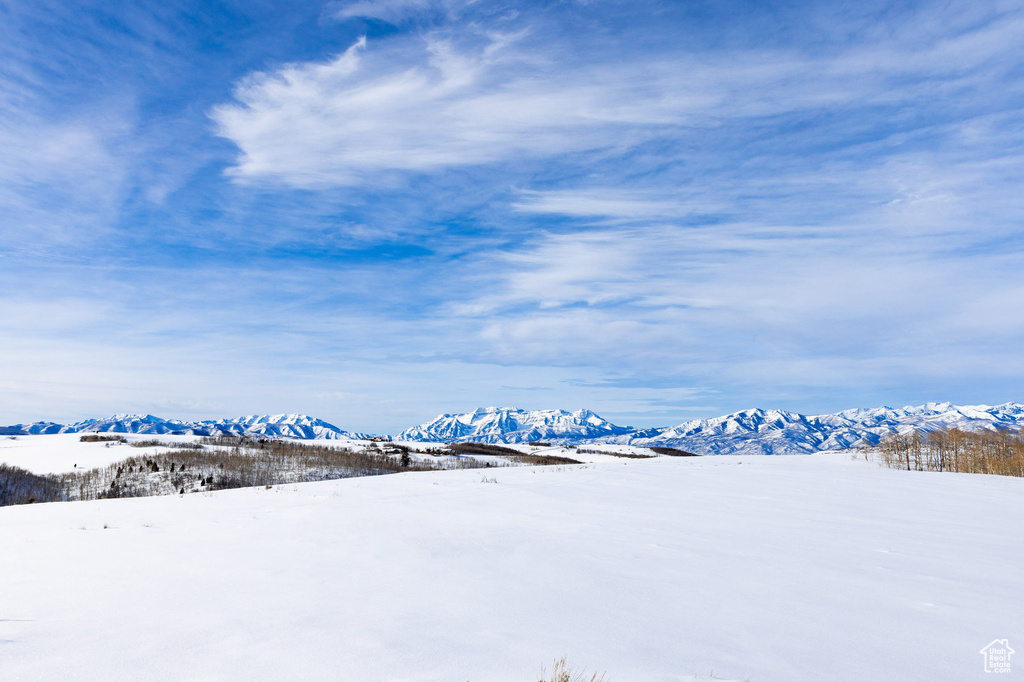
<point x="997" y="656"/>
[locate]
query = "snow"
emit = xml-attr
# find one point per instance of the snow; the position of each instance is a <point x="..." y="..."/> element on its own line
<point x="773" y="432"/>
<point x="513" y="425"/>
<point x="782" y="568"/>
<point x="278" y="425"/>
<point x="58" y="453"/>
<point x="748" y="432"/>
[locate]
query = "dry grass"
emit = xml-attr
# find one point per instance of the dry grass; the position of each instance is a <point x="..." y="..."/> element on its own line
<point x="561" y="671"/>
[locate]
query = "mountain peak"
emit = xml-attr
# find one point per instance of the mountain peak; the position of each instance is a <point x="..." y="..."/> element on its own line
<point x="286" y="425"/>
<point x="513" y="425"/>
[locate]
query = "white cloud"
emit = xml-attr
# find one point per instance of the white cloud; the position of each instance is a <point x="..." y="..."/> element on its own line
<point x="474" y="97"/>
<point x="322" y="124"/>
<point x="59" y="182"/>
<point x="605" y="203"/>
<point x="750" y="304"/>
<point x="395" y="11"/>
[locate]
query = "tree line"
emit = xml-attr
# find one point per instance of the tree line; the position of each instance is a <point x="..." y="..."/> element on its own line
<point x="998" y="452"/>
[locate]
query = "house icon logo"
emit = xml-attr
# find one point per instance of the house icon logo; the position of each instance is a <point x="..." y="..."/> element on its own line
<point x="997" y="656"/>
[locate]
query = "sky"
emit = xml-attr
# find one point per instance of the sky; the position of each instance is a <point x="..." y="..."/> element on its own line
<point x="377" y="211"/>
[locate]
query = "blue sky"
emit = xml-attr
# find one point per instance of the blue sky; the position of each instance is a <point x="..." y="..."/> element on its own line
<point x="377" y="211"/>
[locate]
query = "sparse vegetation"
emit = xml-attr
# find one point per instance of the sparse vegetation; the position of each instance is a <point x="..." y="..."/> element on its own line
<point x="969" y="452"/>
<point x="236" y="463"/>
<point x="223" y="461"/>
<point x="562" y="672"/>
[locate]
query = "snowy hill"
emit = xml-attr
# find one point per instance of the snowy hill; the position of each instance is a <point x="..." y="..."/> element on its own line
<point x="778" y="432"/>
<point x="287" y="425"/>
<point x="784" y="569"/>
<point x="512" y="425"/>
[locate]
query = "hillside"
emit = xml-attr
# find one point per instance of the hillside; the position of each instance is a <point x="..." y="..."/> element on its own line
<point x="780" y="569"/>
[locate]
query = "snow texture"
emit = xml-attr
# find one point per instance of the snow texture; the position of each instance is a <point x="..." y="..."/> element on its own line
<point x="787" y="569"/>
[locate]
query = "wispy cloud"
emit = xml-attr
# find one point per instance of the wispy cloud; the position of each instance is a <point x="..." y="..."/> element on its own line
<point x="381" y="209"/>
<point x="443" y="105"/>
<point x="405" y="105"/>
<point x="395" y="11"/>
<point x="608" y="203"/>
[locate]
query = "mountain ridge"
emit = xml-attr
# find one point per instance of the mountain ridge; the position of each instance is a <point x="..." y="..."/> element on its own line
<point x="752" y="431"/>
<point x="513" y="425"/>
<point x="287" y="425"/>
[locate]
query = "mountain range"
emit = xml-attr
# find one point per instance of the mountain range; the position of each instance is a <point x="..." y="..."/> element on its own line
<point x="770" y="432"/>
<point x="747" y="432"/>
<point x="512" y="425"/>
<point x="286" y="425"/>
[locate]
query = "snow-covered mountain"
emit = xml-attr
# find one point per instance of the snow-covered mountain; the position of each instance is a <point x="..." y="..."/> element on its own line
<point x="767" y="432"/>
<point x="778" y="432"/>
<point x="287" y="425"/>
<point x="512" y="425"/>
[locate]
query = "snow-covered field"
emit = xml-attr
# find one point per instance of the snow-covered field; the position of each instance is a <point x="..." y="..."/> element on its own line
<point x="784" y="568"/>
<point x="57" y="453"/>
